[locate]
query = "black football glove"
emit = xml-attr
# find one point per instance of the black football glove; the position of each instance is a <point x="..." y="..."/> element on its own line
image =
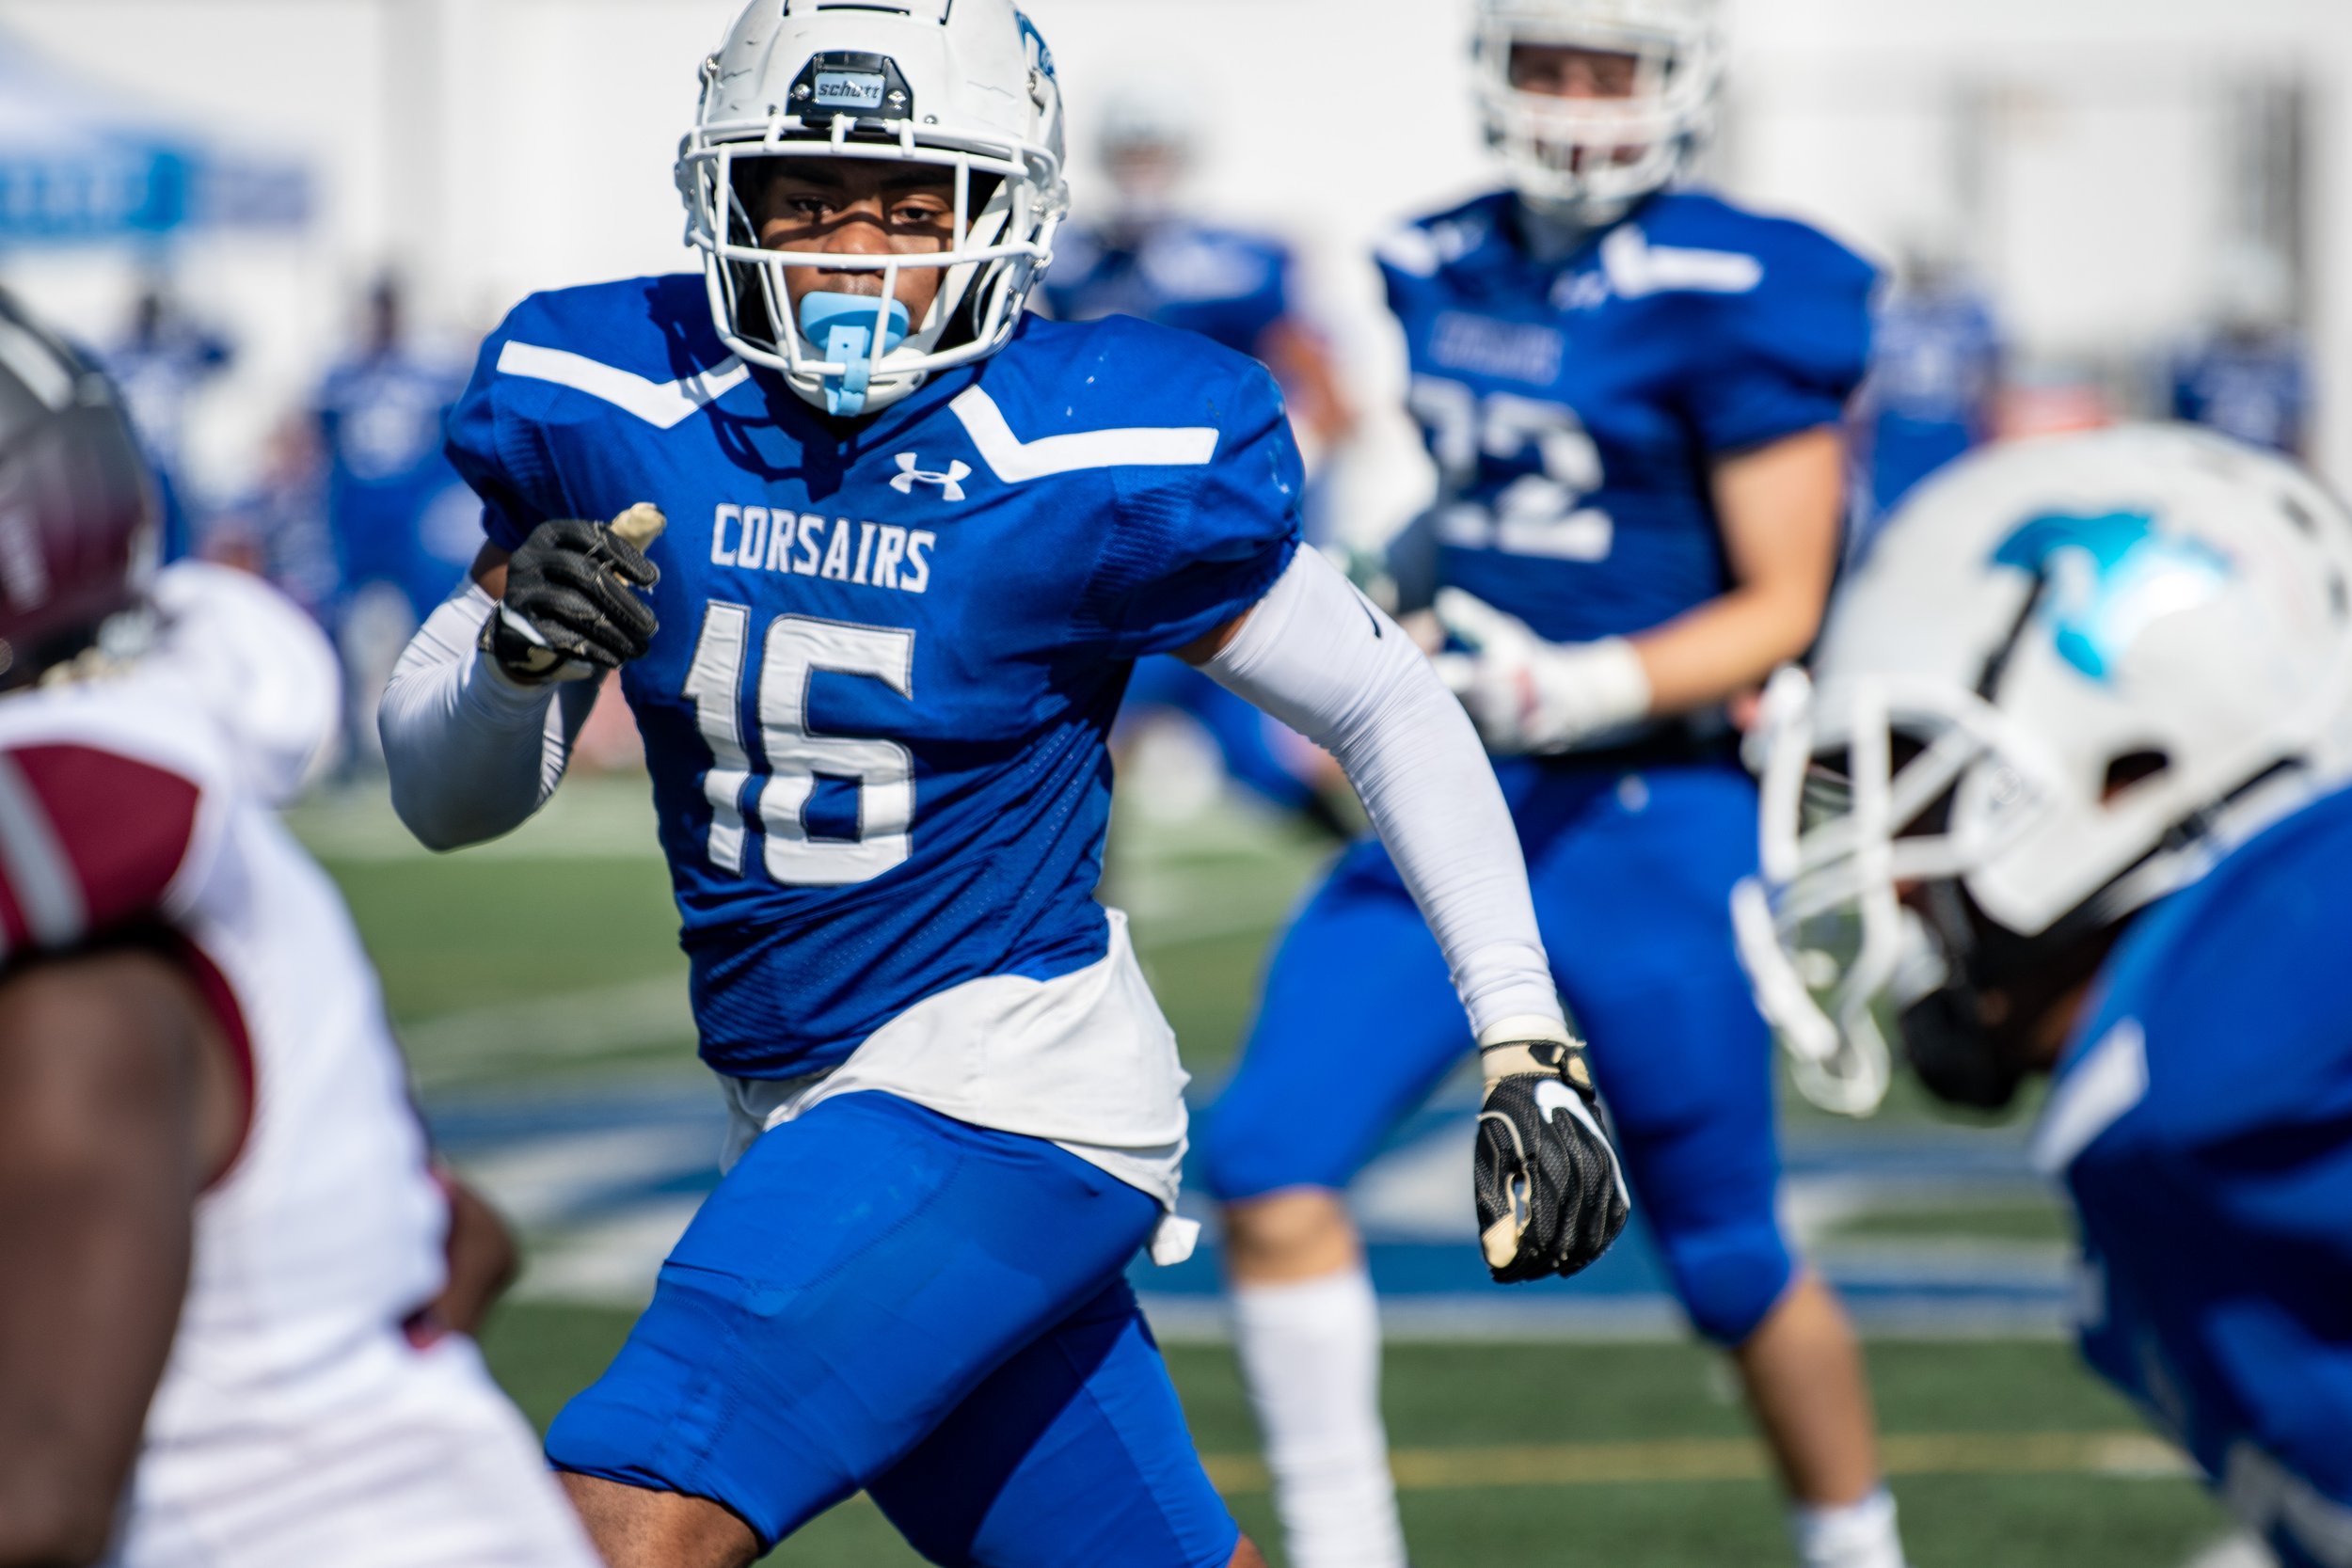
<point x="1551" y="1195"/>
<point x="572" y="608"/>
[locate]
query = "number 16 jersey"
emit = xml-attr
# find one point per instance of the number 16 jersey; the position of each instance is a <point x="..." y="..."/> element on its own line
<point x="890" y="649"/>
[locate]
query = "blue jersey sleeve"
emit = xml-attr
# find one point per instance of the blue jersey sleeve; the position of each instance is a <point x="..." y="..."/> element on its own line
<point x="1190" y="549"/>
<point x="1788" y="355"/>
<point x="500" y="456"/>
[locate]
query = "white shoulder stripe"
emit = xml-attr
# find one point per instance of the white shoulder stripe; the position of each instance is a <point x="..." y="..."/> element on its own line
<point x="2109" y="1080"/>
<point x="665" y="404"/>
<point x="1637" y="268"/>
<point x="37" y="871"/>
<point x="1016" y="461"/>
<point x="1412" y="250"/>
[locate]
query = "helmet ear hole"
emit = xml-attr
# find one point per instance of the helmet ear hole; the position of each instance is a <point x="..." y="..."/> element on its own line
<point x="2130" y="769"/>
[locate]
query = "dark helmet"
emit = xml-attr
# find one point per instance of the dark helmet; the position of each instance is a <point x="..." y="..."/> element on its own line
<point x="77" y="505"/>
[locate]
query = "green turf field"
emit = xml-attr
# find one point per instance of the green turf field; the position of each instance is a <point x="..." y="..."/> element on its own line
<point x="550" y="961"/>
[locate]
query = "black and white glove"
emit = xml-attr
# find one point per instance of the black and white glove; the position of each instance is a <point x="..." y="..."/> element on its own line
<point x="572" y="608"/>
<point x="1552" y="1196"/>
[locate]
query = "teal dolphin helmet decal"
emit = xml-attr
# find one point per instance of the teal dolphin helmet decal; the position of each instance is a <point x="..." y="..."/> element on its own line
<point x="2110" y="577"/>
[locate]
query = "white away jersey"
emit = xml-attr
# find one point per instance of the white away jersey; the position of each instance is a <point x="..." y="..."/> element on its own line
<point x="129" y="809"/>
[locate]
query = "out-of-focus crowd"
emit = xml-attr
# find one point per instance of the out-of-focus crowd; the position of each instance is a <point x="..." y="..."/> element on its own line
<point x="353" y="510"/>
<point x="1943" y="381"/>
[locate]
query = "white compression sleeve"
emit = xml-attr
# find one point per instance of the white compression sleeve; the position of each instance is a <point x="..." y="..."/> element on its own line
<point x="1316" y="654"/>
<point x="471" y="753"/>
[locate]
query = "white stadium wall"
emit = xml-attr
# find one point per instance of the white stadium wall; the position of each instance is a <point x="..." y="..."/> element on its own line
<point x="2074" y="148"/>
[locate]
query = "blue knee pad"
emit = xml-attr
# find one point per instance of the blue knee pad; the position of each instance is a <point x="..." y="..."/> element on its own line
<point x="856" y="1276"/>
<point x="1728" y="1280"/>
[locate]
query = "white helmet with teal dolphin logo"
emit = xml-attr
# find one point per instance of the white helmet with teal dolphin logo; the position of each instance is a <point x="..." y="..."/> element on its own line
<point x="964" y="86"/>
<point x="2071" y="673"/>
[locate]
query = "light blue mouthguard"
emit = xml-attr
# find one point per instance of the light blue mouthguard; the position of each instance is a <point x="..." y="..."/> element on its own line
<point x="842" y="327"/>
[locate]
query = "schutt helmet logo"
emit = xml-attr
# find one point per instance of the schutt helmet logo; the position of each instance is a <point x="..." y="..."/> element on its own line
<point x="910" y="475"/>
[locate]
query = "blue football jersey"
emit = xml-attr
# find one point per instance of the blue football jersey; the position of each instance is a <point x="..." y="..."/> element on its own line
<point x="380" y="416"/>
<point x="2258" y="391"/>
<point x="1575" y="409"/>
<point x="2202" y="1122"/>
<point x="890" y="649"/>
<point x="1229" y="287"/>
<point x="1933" y="374"/>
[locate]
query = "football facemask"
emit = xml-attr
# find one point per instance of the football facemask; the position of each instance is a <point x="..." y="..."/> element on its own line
<point x="1590" y="159"/>
<point x="2071" y="674"/>
<point x="967" y="90"/>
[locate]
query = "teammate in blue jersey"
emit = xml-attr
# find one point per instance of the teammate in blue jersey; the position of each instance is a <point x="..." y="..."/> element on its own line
<point x="2063" y="795"/>
<point x="1142" y="258"/>
<point x="380" y="415"/>
<point x="2249" y="378"/>
<point x="160" y="365"/>
<point x="884" y="548"/>
<point x="1935" y="375"/>
<point x="1634" y="395"/>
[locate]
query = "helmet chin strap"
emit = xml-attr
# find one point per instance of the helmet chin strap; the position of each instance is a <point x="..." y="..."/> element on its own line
<point x="842" y="327"/>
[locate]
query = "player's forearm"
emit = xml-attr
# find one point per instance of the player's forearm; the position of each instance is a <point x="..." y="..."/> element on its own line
<point x="1778" y="508"/>
<point x="80" y="1352"/>
<point x="107" y="1126"/>
<point x="471" y="753"/>
<point x="1726" y="645"/>
<point x="1317" y="655"/>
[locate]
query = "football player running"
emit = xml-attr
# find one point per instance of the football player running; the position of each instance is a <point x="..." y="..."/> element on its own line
<point x="233" y="1274"/>
<point x="1634" y="394"/>
<point x="2064" y="795"/>
<point x="885" y="548"/>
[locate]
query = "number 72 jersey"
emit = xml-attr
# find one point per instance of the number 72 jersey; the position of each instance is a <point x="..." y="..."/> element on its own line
<point x="890" y="650"/>
<point x="1576" y="408"/>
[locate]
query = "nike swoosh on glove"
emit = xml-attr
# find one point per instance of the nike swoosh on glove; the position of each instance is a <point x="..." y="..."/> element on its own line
<point x="1552" y="1196"/>
<point x="1526" y="694"/>
<point x="572" y="608"/>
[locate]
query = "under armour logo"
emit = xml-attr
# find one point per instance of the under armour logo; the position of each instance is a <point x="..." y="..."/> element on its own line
<point x="951" y="483"/>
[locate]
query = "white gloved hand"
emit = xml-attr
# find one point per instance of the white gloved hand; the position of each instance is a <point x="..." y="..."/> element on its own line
<point x="1526" y="694"/>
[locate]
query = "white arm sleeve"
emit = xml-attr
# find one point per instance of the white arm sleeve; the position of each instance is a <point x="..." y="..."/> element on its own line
<point x="471" y="753"/>
<point x="1316" y="654"/>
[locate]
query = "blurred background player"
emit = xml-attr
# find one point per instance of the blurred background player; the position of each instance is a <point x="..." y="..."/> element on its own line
<point x="1934" y="387"/>
<point x="236" y="1285"/>
<point x="2249" y="378"/>
<point x="163" y="360"/>
<point x="876" y="658"/>
<point x="1635" y="397"/>
<point x="380" y="412"/>
<point x="276" y="528"/>
<point x="2070" y="766"/>
<point x="1143" y="255"/>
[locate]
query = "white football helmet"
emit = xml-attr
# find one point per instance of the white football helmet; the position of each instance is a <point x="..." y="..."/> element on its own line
<point x="1590" y="159"/>
<point x="963" y="85"/>
<point x="2071" y="674"/>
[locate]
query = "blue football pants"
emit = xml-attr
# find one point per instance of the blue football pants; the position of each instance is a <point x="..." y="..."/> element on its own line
<point x="877" y="1297"/>
<point x="1633" y="875"/>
